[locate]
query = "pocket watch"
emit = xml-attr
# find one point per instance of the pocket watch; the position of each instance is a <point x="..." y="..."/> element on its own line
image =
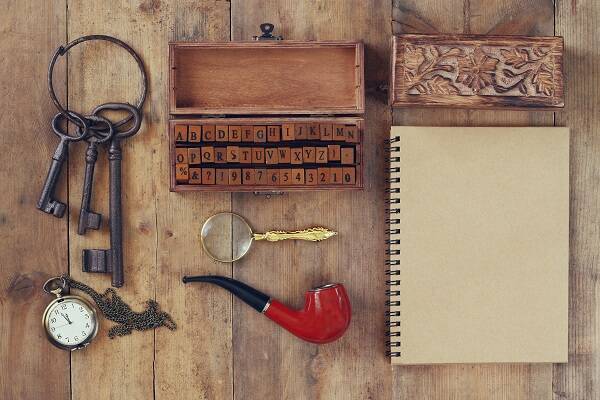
<point x="70" y="321"/>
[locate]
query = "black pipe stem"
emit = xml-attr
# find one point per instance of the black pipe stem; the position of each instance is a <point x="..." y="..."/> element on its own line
<point x="249" y="295"/>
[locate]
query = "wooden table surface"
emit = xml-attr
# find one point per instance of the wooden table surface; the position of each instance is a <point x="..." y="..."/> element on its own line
<point x="223" y="349"/>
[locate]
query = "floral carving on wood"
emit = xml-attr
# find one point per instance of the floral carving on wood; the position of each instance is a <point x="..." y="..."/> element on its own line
<point x="476" y="70"/>
<point x="479" y="70"/>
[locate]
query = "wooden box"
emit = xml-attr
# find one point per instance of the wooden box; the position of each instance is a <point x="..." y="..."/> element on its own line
<point x="477" y="71"/>
<point x="287" y="100"/>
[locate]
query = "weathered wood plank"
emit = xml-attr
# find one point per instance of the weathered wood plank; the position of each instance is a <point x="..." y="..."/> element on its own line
<point x="100" y="72"/>
<point x="33" y="245"/>
<point x="507" y="17"/>
<point x="196" y="360"/>
<point x="160" y="228"/>
<point x="577" y="21"/>
<point x="270" y="363"/>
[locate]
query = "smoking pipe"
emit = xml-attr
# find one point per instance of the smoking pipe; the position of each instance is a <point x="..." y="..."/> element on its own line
<point x="324" y="318"/>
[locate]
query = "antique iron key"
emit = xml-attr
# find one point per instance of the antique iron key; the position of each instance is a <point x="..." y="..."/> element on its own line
<point x="47" y="203"/>
<point x="87" y="218"/>
<point x="96" y="260"/>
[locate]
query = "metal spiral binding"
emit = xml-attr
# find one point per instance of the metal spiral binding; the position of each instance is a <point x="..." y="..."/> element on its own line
<point x="392" y="220"/>
<point x="392" y="313"/>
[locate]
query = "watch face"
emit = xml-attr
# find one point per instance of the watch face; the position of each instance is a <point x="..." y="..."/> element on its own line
<point x="70" y="322"/>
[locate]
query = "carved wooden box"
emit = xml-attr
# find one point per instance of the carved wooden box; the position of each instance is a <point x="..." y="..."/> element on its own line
<point x="266" y="116"/>
<point x="473" y="71"/>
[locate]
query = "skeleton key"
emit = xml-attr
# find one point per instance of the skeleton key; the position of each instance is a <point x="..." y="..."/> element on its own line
<point x="87" y="218"/>
<point x="95" y="260"/>
<point x="47" y="203"/>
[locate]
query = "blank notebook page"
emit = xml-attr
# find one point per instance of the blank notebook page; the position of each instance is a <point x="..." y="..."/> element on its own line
<point x="484" y="245"/>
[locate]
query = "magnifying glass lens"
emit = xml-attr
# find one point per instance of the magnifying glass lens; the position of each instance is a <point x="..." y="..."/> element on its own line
<point x="226" y="237"/>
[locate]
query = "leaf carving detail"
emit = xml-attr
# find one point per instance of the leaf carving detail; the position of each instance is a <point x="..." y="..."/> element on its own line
<point x="543" y="81"/>
<point x="425" y="63"/>
<point x="413" y="59"/>
<point x="436" y="85"/>
<point x="515" y="57"/>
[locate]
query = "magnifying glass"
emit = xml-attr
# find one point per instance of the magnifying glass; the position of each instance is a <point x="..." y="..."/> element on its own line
<point x="227" y="237"/>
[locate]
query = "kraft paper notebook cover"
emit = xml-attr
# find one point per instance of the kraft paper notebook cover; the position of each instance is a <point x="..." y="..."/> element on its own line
<point x="478" y="245"/>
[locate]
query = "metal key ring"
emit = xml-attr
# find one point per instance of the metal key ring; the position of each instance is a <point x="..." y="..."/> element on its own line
<point x="99" y="136"/>
<point x="135" y="114"/>
<point x="62" y="50"/>
<point x="82" y="133"/>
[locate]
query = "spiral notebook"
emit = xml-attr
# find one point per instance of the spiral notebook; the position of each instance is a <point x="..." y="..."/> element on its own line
<point x="478" y="225"/>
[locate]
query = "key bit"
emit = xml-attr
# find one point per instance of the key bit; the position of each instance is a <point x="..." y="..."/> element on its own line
<point x="88" y="220"/>
<point x="96" y="260"/>
<point x="53" y="207"/>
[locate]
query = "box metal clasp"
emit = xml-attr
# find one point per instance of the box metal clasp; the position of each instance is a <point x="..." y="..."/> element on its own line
<point x="267" y="33"/>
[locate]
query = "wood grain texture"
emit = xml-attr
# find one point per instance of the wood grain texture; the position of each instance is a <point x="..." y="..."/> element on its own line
<point x="257" y="77"/>
<point x="195" y="362"/>
<point x="578" y="379"/>
<point x="223" y="349"/>
<point x="33" y="245"/>
<point x="99" y="73"/>
<point x="154" y="241"/>
<point x="530" y="17"/>
<point x="270" y="363"/>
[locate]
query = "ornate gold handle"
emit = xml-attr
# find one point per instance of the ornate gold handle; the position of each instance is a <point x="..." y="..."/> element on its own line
<point x="311" y="234"/>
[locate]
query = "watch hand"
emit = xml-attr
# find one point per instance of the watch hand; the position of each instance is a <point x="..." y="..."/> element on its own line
<point x="67" y="318"/>
<point x="60" y="326"/>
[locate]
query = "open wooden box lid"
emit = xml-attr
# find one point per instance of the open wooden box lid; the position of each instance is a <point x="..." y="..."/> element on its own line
<point x="266" y="77"/>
